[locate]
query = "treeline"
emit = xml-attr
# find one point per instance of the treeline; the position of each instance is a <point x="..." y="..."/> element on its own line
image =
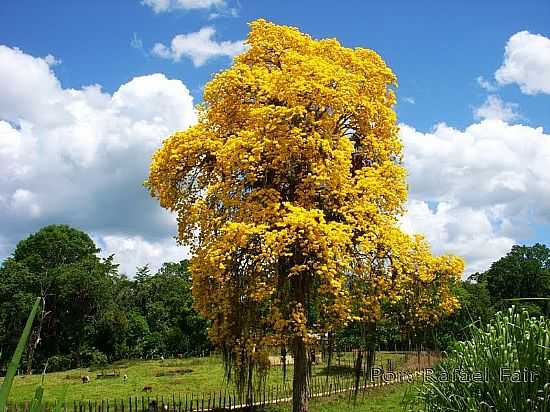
<point x="521" y="278"/>
<point x="93" y="314"/>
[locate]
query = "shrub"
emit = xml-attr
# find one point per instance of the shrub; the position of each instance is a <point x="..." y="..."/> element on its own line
<point x="94" y="358"/>
<point x="503" y="367"/>
<point x="59" y="363"/>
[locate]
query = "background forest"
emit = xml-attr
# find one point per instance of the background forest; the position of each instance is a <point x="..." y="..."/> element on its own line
<point x="94" y="314"/>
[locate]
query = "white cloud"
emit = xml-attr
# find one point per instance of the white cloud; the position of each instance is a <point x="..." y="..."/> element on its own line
<point x="486" y="84"/>
<point x="198" y="46"/>
<point x="160" y="6"/>
<point x="51" y="60"/>
<point x="136" y="42"/>
<point x="80" y="156"/>
<point x="231" y="12"/>
<point x="526" y="63"/>
<point x="487" y="185"/>
<point x="30" y="91"/>
<point x="495" y="108"/>
<point x="459" y="230"/>
<point x="133" y="251"/>
<point x="409" y="99"/>
<point x="24" y="202"/>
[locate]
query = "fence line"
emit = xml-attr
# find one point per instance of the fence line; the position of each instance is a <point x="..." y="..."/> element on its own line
<point x="319" y="386"/>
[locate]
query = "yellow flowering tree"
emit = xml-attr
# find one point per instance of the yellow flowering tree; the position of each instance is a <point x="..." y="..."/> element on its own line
<point x="400" y="282"/>
<point x="288" y="190"/>
<point x="426" y="280"/>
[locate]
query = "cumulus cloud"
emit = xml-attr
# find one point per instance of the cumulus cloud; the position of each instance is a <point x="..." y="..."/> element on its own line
<point x="198" y="46"/>
<point x="133" y="251"/>
<point x="526" y="63"/>
<point x="24" y="202"/>
<point x="51" y="60"/>
<point x="160" y="6"/>
<point x="409" y="99"/>
<point x="495" y="108"/>
<point x="486" y="84"/>
<point x="80" y="156"/>
<point x="459" y="230"/>
<point x="476" y="191"/>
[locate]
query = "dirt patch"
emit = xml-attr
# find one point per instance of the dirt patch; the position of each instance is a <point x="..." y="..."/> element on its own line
<point x="73" y="377"/>
<point x="174" y="372"/>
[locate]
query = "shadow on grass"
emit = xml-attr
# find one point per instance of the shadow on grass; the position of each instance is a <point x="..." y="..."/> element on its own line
<point x="335" y="370"/>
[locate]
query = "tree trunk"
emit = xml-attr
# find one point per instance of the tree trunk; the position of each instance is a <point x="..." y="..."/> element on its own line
<point x="283" y="362"/>
<point x="358" y="370"/>
<point x="371" y="358"/>
<point x="77" y="358"/>
<point x="300" y="380"/>
<point x="371" y="349"/>
<point x="249" y="389"/>
<point x="330" y="351"/>
<point x="30" y="353"/>
<point x="35" y="337"/>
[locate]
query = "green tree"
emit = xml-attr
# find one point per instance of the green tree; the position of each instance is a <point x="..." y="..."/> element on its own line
<point x="59" y="264"/>
<point x="475" y="308"/>
<point x="523" y="273"/>
<point x="52" y="247"/>
<point x="17" y="286"/>
<point x="83" y="293"/>
<point x="166" y="302"/>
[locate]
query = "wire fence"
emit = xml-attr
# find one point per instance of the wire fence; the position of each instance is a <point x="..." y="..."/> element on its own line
<point x="342" y="379"/>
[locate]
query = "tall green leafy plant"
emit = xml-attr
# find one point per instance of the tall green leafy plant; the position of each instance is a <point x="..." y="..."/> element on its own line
<point x="16" y="359"/>
<point x="505" y="366"/>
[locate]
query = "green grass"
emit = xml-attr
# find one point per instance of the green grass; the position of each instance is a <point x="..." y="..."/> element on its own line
<point x="181" y="377"/>
<point x="385" y="399"/>
<point x="206" y="376"/>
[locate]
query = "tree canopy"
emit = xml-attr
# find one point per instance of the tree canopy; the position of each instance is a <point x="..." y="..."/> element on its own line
<point x="289" y="191"/>
<point x="54" y="246"/>
<point x="92" y="313"/>
<point x="523" y="273"/>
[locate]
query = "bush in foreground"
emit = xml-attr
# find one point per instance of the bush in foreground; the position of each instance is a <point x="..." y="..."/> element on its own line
<point x="503" y="367"/>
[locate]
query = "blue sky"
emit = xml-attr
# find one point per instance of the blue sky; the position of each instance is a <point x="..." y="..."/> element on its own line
<point x="473" y="136"/>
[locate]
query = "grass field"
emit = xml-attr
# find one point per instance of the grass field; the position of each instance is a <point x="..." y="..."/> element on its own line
<point x="385" y="399"/>
<point x="169" y="377"/>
